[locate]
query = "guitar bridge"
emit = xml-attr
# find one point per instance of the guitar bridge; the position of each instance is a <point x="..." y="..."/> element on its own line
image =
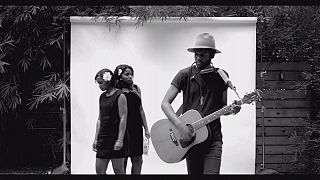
<point x="173" y="137"/>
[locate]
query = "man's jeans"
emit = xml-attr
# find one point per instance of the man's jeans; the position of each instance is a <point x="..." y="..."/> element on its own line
<point x="204" y="158"/>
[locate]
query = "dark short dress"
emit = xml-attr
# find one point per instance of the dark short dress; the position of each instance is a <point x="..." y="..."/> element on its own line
<point x="109" y="127"/>
<point x="134" y="125"/>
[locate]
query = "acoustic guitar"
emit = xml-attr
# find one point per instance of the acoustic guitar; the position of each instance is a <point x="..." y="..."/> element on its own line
<point x="166" y="138"/>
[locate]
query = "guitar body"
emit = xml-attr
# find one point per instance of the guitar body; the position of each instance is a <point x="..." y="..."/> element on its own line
<point x="166" y="138"/>
<point x="167" y="141"/>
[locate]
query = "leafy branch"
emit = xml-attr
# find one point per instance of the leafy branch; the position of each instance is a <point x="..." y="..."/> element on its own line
<point x="10" y="97"/>
<point x="52" y="88"/>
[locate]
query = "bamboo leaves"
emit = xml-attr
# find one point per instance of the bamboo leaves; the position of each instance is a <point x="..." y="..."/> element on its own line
<point x="7" y="40"/>
<point x="51" y="89"/>
<point x="2" y="63"/>
<point x="44" y="63"/>
<point x="10" y="97"/>
<point x="24" y="63"/>
<point x="56" y="37"/>
<point x="62" y="90"/>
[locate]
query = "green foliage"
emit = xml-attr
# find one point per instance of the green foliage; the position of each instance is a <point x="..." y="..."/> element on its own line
<point x="2" y="70"/>
<point x="32" y="42"/>
<point x="51" y="89"/>
<point x="148" y="13"/>
<point x="307" y="157"/>
<point x="307" y="154"/>
<point x="292" y="34"/>
<point x="28" y="32"/>
<point x="306" y="47"/>
<point x="32" y="37"/>
<point x="9" y="95"/>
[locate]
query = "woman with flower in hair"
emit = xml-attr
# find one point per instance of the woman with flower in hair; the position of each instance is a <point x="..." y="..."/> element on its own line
<point x="136" y="117"/>
<point x="111" y="125"/>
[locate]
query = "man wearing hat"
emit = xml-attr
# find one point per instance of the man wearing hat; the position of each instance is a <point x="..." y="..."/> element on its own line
<point x="205" y="91"/>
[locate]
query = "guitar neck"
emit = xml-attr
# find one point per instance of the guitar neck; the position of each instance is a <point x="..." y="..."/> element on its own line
<point x="211" y="117"/>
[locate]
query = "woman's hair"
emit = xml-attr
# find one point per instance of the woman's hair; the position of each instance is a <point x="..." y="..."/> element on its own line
<point x="118" y="73"/>
<point x="105" y="75"/>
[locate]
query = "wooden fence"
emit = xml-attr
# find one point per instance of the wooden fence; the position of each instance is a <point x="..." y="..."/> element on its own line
<point x="45" y="131"/>
<point x="285" y="111"/>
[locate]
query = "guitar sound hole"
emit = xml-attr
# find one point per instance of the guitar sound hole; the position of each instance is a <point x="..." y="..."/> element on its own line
<point x="190" y="127"/>
<point x="185" y="143"/>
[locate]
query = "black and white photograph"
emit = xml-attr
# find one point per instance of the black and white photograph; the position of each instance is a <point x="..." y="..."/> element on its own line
<point x="157" y="90"/>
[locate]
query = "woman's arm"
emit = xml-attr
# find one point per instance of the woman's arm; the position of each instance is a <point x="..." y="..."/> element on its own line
<point x="144" y="122"/>
<point x="143" y="116"/>
<point x="123" y="111"/>
<point x="94" y="146"/>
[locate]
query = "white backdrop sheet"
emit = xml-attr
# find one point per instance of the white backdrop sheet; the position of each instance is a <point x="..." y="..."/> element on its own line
<point x="157" y="51"/>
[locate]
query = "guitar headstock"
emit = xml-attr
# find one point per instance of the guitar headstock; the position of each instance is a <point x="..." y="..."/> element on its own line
<point x="251" y="97"/>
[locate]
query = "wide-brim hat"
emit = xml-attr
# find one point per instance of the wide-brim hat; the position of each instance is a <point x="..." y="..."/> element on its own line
<point x="204" y="41"/>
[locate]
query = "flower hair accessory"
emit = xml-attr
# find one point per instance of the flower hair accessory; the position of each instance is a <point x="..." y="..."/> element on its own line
<point x="107" y="76"/>
<point x="119" y="72"/>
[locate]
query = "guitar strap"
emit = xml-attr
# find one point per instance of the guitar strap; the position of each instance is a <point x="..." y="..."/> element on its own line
<point x="210" y="72"/>
<point x="198" y="78"/>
